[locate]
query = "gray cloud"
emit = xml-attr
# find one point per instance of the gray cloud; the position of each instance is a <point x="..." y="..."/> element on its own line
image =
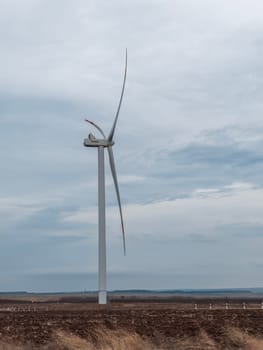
<point x="215" y="159"/>
<point x="247" y="231"/>
<point x="190" y="132"/>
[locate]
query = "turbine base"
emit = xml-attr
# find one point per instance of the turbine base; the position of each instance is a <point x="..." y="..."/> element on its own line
<point x="103" y="297"/>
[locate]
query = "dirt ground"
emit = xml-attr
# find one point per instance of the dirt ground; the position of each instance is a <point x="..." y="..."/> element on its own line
<point x="35" y="322"/>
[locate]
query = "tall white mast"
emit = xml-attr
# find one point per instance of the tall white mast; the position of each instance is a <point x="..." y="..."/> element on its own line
<point x="102" y="228"/>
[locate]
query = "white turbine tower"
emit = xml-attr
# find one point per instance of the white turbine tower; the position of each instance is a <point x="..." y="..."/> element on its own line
<point x="101" y="144"/>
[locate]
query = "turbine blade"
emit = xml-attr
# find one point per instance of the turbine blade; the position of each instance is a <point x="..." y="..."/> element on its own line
<point x="97" y="127"/>
<point x="111" y="134"/>
<point x="114" y="175"/>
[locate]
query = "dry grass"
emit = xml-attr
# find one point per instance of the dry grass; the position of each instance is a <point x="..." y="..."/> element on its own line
<point x="236" y="339"/>
<point x="105" y="339"/>
<point x="70" y="341"/>
<point x="202" y="342"/>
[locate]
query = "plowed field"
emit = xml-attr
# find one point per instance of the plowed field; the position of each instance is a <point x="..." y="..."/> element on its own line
<point x="160" y="323"/>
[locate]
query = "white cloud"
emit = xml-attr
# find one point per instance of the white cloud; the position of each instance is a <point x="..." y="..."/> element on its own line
<point x="85" y="215"/>
<point x="183" y="217"/>
<point x="224" y="190"/>
<point x="195" y="215"/>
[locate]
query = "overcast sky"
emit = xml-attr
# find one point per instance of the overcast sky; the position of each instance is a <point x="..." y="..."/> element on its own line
<point x="189" y="142"/>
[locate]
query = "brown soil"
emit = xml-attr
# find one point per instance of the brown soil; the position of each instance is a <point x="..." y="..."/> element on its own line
<point x="161" y="324"/>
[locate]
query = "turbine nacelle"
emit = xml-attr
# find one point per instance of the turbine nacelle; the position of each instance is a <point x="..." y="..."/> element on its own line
<point x="92" y="141"/>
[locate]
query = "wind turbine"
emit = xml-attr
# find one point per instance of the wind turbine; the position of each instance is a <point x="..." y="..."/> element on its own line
<point x="101" y="144"/>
